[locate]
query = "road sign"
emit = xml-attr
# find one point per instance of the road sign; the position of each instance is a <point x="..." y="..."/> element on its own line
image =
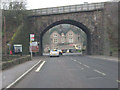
<point x="33" y="43"/>
<point x="32" y="37"/>
<point x="34" y="47"/>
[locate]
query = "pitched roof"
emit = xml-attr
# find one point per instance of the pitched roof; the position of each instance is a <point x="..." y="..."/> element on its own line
<point x="64" y="30"/>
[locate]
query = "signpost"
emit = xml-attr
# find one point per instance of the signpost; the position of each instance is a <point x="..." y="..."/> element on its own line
<point x="32" y="37"/>
<point x="34" y="46"/>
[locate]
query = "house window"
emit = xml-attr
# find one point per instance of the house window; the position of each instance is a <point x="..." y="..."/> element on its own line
<point x="62" y="40"/>
<point x="55" y="41"/>
<point x="70" y="34"/>
<point x="55" y="35"/>
<point x="70" y="40"/>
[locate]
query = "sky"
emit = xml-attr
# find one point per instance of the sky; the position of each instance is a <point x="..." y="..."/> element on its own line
<point x="36" y="4"/>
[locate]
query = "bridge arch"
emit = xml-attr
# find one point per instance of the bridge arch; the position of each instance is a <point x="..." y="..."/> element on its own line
<point x="71" y="22"/>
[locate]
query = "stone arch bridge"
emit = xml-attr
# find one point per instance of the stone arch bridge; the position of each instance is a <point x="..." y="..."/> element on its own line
<point x="91" y="18"/>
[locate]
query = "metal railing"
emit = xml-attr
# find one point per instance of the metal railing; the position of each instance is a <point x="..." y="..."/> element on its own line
<point x="68" y="9"/>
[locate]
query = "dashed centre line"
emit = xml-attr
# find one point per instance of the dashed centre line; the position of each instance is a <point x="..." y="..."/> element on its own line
<point x="86" y="66"/>
<point x="74" y="60"/>
<point x="79" y="62"/>
<point x="99" y="72"/>
<point x="82" y="64"/>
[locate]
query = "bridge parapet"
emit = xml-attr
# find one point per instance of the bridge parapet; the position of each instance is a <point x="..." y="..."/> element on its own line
<point x="68" y="9"/>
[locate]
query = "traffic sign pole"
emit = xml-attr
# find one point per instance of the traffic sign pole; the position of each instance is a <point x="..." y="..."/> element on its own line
<point x="31" y="50"/>
<point x="31" y="39"/>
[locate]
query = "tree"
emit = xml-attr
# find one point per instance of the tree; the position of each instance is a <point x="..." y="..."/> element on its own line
<point x="14" y="5"/>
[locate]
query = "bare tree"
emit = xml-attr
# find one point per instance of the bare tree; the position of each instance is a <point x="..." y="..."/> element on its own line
<point x="13" y="4"/>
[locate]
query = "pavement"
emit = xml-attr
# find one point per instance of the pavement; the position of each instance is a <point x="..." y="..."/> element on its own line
<point x="111" y="58"/>
<point x="67" y="71"/>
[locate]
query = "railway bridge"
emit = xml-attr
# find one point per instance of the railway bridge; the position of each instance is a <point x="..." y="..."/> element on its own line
<point x="92" y="18"/>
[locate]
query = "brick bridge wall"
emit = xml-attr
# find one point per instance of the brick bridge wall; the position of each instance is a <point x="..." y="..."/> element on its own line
<point x="94" y="20"/>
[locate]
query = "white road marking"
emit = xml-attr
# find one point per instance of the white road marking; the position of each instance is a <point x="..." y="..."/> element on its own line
<point x="79" y="62"/>
<point x="99" y="72"/>
<point x="95" y="77"/>
<point x="81" y="68"/>
<point x="118" y="81"/>
<point x="23" y="75"/>
<point x="74" y="60"/>
<point x="86" y="66"/>
<point x="38" y="69"/>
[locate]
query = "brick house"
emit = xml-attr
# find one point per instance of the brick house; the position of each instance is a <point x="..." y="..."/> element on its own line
<point x="63" y="40"/>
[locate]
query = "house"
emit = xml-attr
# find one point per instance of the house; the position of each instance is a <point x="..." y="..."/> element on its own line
<point x="65" y="37"/>
<point x="61" y="40"/>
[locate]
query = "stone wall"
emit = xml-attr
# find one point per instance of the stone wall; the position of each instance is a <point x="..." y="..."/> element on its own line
<point x="111" y="28"/>
<point x="14" y="62"/>
<point x="92" y="20"/>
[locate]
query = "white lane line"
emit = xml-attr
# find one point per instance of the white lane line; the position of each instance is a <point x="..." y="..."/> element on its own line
<point x="95" y="77"/>
<point x="38" y="69"/>
<point x="23" y="75"/>
<point x="74" y="60"/>
<point x="86" y="66"/>
<point x="81" y="68"/>
<point x="118" y="81"/>
<point x="99" y="72"/>
<point x="79" y="62"/>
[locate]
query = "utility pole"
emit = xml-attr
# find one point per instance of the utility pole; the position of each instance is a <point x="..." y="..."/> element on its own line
<point x="5" y="47"/>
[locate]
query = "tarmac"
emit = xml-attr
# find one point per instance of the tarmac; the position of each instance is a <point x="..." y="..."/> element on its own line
<point x="9" y="75"/>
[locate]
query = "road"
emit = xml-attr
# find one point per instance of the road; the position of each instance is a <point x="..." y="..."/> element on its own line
<point x="74" y="71"/>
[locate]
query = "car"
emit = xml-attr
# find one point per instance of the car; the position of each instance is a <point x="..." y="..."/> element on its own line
<point x="60" y="52"/>
<point x="71" y="50"/>
<point x="64" y="51"/>
<point x="67" y="51"/>
<point x="54" y="52"/>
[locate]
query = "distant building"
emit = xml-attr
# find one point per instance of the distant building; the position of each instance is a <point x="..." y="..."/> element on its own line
<point x="64" y="40"/>
<point x="65" y="37"/>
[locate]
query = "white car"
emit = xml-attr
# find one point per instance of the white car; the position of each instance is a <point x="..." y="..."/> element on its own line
<point x="60" y="52"/>
<point x="54" y="53"/>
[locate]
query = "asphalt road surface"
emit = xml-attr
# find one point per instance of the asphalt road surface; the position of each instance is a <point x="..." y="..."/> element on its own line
<point x="74" y="71"/>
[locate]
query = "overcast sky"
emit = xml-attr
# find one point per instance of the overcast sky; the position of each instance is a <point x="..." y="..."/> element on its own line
<point x="36" y="4"/>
